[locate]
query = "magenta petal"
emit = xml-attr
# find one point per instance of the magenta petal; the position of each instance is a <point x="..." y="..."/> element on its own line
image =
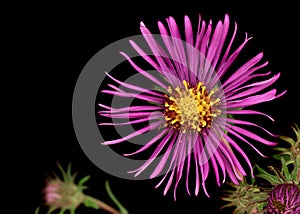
<point x="249" y="124"/>
<point x="233" y="161"/>
<point x="234" y="86"/>
<point x="230" y="130"/>
<point x="133" y="87"/>
<point x="169" y="183"/>
<point x="215" y="167"/>
<point x="235" y="145"/>
<point x="134" y="95"/>
<point x="242" y="111"/>
<point x="243" y="69"/>
<point x="136" y="133"/>
<point x="221" y="40"/>
<point x="160" y="55"/>
<point x="252" y="100"/>
<point x="173" y="159"/>
<point x="129" y="122"/>
<point x="180" y="165"/>
<point x="131" y="108"/>
<point x="188" y="30"/>
<point x="227" y="62"/>
<point x="144" y="55"/>
<point x="129" y="115"/>
<point x="190" y="149"/>
<point x="144" y="72"/>
<point x="197" y="187"/>
<point x="164" y="159"/>
<point x="253" y="136"/>
<point x="147" y="145"/>
<point x="154" y="155"/>
<point x="255" y="87"/>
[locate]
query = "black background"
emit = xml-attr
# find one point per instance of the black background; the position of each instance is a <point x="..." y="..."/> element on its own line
<point x="63" y="38"/>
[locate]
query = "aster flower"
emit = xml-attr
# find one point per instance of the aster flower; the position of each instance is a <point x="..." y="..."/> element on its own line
<point x="284" y="199"/>
<point x="195" y="103"/>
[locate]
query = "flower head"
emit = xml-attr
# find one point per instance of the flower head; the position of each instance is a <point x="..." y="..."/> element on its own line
<point x="284" y="199"/>
<point x="195" y="103"/>
<point x="245" y="197"/>
<point x="64" y="194"/>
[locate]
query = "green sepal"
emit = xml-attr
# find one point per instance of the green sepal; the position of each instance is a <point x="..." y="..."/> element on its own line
<point x="160" y="89"/>
<point x="82" y="181"/>
<point x="51" y="209"/>
<point x="284" y="155"/>
<point x="62" y="211"/>
<point x="261" y="206"/>
<point x="231" y="115"/>
<point x="287" y="139"/>
<point x="153" y="103"/>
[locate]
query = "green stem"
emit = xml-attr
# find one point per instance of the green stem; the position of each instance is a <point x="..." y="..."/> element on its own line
<point x="37" y="210"/>
<point x="114" y="199"/>
<point x="103" y="205"/>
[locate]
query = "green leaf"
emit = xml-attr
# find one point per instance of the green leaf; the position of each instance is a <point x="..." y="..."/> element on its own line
<point x="267" y="176"/>
<point x="260" y="170"/>
<point x="114" y="199"/>
<point x="285" y="169"/>
<point x="261" y="206"/>
<point x="89" y="202"/>
<point x="295" y="169"/>
<point x="289" y="162"/>
<point x="278" y="156"/>
<point x="281" y="149"/>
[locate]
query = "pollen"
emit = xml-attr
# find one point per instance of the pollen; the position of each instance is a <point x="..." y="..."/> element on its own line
<point x="190" y="109"/>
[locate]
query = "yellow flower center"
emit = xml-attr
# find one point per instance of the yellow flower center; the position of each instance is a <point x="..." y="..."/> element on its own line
<point x="190" y="108"/>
